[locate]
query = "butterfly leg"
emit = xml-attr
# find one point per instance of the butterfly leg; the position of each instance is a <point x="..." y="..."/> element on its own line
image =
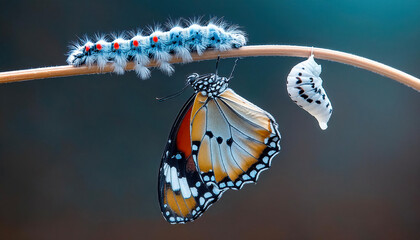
<point x="233" y="69"/>
<point x="217" y="65"/>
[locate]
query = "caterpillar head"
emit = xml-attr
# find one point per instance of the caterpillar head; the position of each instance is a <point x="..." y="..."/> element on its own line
<point x="238" y="40"/>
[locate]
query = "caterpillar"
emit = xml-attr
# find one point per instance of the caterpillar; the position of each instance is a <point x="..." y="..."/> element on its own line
<point x="305" y="89"/>
<point x="180" y="39"/>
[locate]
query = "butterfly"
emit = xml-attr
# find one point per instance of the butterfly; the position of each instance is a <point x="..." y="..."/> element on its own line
<point x="219" y="141"/>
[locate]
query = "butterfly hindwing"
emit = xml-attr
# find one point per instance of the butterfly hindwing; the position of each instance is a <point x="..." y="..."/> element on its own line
<point x="233" y="140"/>
<point x="183" y="195"/>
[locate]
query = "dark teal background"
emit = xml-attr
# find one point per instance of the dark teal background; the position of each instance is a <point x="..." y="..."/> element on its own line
<point x="79" y="156"/>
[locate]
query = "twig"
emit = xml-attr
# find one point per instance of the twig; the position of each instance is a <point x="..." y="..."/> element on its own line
<point x="248" y="51"/>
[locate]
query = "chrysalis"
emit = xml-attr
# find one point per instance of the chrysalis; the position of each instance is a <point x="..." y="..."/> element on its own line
<point x="305" y="89"/>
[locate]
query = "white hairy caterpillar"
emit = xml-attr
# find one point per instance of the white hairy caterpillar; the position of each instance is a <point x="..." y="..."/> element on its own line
<point x="159" y="45"/>
<point x="305" y="88"/>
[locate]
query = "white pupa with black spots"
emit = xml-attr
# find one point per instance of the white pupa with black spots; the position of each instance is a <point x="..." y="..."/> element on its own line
<point x="304" y="86"/>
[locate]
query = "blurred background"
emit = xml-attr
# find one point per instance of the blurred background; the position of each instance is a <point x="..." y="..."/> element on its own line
<point x="79" y="156"/>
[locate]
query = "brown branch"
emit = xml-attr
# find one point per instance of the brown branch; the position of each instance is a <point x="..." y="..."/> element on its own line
<point x="248" y="51"/>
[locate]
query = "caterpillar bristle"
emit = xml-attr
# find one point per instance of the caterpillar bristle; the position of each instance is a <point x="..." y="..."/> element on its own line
<point x="179" y="38"/>
<point x="219" y="21"/>
<point x="173" y="23"/>
<point x="194" y="20"/>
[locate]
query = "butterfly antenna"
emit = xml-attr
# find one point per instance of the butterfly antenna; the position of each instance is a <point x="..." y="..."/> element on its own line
<point x="217" y="65"/>
<point x="233" y="69"/>
<point x="161" y="99"/>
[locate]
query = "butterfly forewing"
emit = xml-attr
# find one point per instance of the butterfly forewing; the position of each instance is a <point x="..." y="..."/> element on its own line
<point x="183" y="195"/>
<point x="232" y="139"/>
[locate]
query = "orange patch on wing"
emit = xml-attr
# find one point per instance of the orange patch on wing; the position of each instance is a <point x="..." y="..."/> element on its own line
<point x="244" y="160"/>
<point x="253" y="148"/>
<point x="165" y="201"/>
<point x="171" y="200"/>
<point x="230" y="94"/>
<point x="182" y="205"/>
<point x="198" y="127"/>
<point x="204" y="157"/>
<point x="259" y="134"/>
<point x="183" y="139"/>
<point x="232" y="168"/>
<point x="197" y="106"/>
<point x="243" y="122"/>
<point x="191" y="203"/>
<point x="218" y="168"/>
<point x="247" y="109"/>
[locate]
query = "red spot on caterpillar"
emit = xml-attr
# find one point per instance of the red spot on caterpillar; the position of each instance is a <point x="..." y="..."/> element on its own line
<point x="136" y="43"/>
<point x="116" y="45"/>
<point x="155" y="39"/>
<point x="99" y="46"/>
<point x="87" y="48"/>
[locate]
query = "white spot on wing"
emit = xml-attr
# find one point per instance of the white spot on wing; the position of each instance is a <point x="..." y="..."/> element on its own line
<point x="174" y="179"/>
<point x="216" y="190"/>
<point x="238" y="183"/>
<point x="185" y="190"/>
<point x="194" y="191"/>
<point x="260" y="166"/>
<point x="265" y="159"/>
<point x="167" y="173"/>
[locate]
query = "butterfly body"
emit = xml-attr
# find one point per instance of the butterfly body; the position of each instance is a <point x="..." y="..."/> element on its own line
<point x="219" y="141"/>
<point x="209" y="85"/>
